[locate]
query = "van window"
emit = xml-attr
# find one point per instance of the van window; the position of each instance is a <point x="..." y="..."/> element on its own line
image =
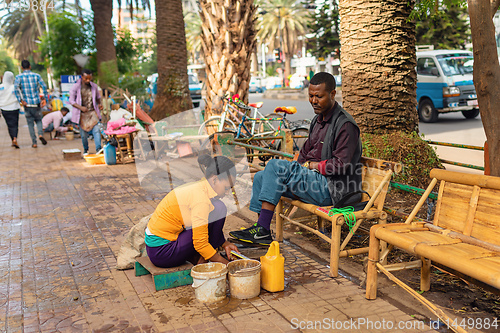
<point x="456" y="64"/>
<point x="192" y="79"/>
<point x="425" y="65"/>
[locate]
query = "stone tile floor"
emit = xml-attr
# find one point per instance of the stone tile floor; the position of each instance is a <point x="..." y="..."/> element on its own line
<point x="61" y="225"/>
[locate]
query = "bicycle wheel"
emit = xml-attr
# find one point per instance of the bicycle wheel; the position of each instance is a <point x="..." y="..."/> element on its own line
<point x="298" y="143"/>
<point x="211" y="126"/>
<point x="210" y="147"/>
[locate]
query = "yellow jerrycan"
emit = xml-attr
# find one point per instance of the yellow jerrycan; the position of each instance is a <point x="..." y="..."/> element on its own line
<point x="272" y="275"/>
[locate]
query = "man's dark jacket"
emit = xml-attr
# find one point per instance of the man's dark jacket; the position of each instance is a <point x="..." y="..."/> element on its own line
<point x="340" y="185"/>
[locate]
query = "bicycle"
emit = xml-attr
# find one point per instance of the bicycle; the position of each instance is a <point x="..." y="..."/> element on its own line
<point x="231" y="117"/>
<point x="267" y="126"/>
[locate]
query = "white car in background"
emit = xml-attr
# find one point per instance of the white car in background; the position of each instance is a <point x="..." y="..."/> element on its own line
<point x="257" y="85"/>
<point x="273" y="82"/>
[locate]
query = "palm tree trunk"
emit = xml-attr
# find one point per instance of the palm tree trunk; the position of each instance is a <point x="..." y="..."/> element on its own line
<point x="228" y="39"/>
<point x="288" y="66"/>
<point x="106" y="51"/>
<point x="378" y="64"/>
<point x="173" y="85"/>
<point x="487" y="75"/>
<point x="255" y="63"/>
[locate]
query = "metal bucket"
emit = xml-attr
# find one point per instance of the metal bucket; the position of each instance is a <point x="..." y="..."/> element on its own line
<point x="209" y="281"/>
<point x="244" y="278"/>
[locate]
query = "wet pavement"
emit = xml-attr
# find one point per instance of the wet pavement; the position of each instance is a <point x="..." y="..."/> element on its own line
<point x="62" y="223"/>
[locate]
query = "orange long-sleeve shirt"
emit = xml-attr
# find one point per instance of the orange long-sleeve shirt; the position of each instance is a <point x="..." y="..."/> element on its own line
<point x="187" y="206"/>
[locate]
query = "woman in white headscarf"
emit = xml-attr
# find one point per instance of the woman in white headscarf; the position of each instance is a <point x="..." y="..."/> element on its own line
<point x="10" y="106"/>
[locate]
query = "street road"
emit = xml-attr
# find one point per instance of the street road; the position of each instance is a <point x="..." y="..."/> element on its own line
<point x="451" y="127"/>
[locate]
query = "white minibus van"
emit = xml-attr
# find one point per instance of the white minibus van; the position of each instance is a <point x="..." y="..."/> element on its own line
<point x="444" y="84"/>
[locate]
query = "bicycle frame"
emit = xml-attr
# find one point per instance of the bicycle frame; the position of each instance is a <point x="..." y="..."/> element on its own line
<point x="264" y="136"/>
<point x="254" y="121"/>
<point x="257" y="117"/>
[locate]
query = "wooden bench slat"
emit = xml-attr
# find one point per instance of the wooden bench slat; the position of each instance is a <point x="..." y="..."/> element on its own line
<point x="466" y="178"/>
<point x="472" y="210"/>
<point x="451" y="252"/>
<point x="473" y="268"/>
<point x="439" y="201"/>
<point x="465" y="234"/>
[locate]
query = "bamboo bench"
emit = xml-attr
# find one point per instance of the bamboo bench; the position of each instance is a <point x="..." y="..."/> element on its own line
<point x="375" y="181"/>
<point x="464" y="235"/>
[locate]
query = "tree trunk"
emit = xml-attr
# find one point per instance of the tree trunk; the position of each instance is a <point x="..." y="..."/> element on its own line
<point x="487" y="75"/>
<point x="228" y="39"/>
<point x="378" y="64"/>
<point x="288" y="66"/>
<point x="172" y="85"/>
<point x="255" y="63"/>
<point x="106" y="51"/>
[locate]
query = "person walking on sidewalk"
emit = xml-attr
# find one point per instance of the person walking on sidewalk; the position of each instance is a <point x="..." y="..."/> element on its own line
<point x="27" y="88"/>
<point x="187" y="224"/>
<point x="328" y="167"/>
<point x="10" y="106"/>
<point x="85" y="98"/>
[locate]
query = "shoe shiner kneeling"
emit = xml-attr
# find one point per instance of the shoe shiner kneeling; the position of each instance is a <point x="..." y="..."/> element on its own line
<point x="327" y="168"/>
<point x="187" y="224"/>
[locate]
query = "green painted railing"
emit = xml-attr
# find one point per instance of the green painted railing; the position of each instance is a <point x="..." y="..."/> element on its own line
<point x="458" y="145"/>
<point x="465" y="165"/>
<point x="413" y="189"/>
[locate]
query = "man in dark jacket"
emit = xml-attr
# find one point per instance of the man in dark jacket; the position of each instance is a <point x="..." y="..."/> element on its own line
<point x="327" y="169"/>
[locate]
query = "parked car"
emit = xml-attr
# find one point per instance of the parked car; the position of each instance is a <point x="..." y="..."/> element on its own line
<point x="194" y="88"/>
<point x="444" y="84"/>
<point x="257" y="85"/>
<point x="274" y="82"/>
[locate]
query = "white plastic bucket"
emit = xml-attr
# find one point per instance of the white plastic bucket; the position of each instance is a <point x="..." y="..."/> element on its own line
<point x="244" y="278"/>
<point x="209" y="281"/>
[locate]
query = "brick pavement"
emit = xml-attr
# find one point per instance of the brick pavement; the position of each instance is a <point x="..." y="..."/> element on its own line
<point x="61" y="225"/>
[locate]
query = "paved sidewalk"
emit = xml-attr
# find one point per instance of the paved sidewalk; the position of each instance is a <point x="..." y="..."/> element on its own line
<point x="61" y="225"/>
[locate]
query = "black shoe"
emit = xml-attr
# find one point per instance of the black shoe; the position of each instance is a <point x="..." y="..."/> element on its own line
<point x="44" y="142"/>
<point x="255" y="234"/>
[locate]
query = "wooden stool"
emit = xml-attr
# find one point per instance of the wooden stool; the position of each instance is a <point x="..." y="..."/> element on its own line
<point x="125" y="150"/>
<point x="164" y="278"/>
<point x="47" y="135"/>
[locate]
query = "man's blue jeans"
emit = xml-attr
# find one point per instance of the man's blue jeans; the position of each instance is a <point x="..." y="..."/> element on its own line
<point x="289" y="179"/>
<point x="34" y="115"/>
<point x="96" y="132"/>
